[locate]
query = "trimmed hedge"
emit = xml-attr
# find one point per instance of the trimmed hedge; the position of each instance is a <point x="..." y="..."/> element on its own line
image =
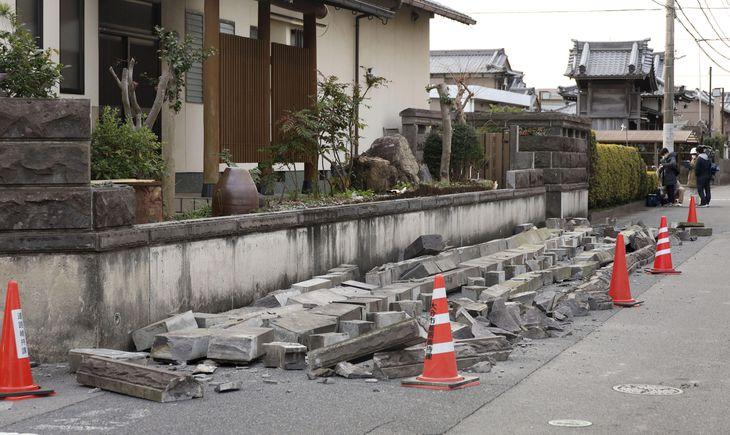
<point x="618" y="176"/>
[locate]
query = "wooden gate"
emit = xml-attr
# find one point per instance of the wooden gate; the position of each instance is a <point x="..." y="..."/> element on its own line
<point x="496" y="153"/>
<point x="290" y="78"/>
<point x="244" y="121"/>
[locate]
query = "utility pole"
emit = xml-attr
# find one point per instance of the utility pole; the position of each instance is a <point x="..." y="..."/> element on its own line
<point x="709" y="120"/>
<point x="668" y="127"/>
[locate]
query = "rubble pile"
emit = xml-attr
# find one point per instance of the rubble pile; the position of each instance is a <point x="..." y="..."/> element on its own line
<point x="530" y="285"/>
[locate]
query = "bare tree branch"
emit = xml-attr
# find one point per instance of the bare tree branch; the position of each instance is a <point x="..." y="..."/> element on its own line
<point x="124" y="88"/>
<point x="133" y="95"/>
<point x="445" y="103"/>
<point x="159" y="100"/>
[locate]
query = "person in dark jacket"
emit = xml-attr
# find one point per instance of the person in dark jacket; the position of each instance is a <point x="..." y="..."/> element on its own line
<point x="668" y="173"/>
<point x="703" y="171"/>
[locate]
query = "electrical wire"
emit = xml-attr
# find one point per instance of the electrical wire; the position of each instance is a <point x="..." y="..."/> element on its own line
<point x="698" y="39"/>
<point x="579" y="11"/>
<point x="712" y="26"/>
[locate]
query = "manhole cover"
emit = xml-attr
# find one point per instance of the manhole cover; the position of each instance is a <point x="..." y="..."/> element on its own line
<point x="569" y="423"/>
<point x="647" y="390"/>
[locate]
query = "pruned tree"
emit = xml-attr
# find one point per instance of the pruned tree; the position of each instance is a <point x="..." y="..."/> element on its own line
<point x="446" y="103"/>
<point x="464" y="94"/>
<point x="177" y="57"/>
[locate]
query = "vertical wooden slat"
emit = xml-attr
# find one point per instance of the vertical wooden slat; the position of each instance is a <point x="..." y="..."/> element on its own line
<point x="290" y="83"/>
<point x="244" y="118"/>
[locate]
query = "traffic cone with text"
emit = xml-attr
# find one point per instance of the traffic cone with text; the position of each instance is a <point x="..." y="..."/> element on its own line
<point x="620" y="290"/>
<point x="16" y="379"/>
<point x="439" y="367"/>
<point x="692" y="216"/>
<point x="663" y="256"/>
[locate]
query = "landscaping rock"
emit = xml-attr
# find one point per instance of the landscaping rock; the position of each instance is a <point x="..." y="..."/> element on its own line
<point x="396" y="150"/>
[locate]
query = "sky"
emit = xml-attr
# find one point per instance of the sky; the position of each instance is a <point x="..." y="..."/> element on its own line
<point x="538" y="43"/>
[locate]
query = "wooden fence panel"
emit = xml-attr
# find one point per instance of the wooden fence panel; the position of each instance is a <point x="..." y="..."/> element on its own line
<point x="290" y="79"/>
<point x="496" y="151"/>
<point x="243" y="119"/>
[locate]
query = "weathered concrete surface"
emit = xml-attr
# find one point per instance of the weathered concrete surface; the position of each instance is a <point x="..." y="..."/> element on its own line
<point x="169" y="269"/>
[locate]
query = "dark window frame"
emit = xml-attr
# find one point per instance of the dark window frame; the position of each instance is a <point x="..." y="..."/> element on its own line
<point x="296" y="37"/>
<point x="82" y="54"/>
<point x="38" y="22"/>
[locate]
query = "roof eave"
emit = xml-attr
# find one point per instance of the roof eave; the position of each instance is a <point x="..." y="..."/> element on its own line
<point x="441" y="10"/>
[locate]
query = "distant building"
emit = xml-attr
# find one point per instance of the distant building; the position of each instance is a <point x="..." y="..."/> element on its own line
<point x="487" y="72"/>
<point x="611" y="78"/>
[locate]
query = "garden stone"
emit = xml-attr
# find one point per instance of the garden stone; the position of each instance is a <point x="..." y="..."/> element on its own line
<point x="396" y="150"/>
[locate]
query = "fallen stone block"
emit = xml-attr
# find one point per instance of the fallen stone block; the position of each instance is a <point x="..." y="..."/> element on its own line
<point x="386" y="318"/>
<point x="352" y="271"/>
<point x="583" y="269"/>
<point x="370" y="304"/>
<point x="207" y="320"/>
<point x="350" y="292"/>
<point x="286" y="356"/>
<point x="494" y="277"/>
<point x="312" y="284"/>
<point x="335" y="278"/>
<point x="352" y="371"/>
<point x="521" y="228"/>
<point x="473" y="307"/>
<point x="445" y="264"/>
<point x="495" y="292"/>
<point x="327" y="339"/>
<point x="700" y="232"/>
<point x="275" y="299"/>
<point x="411" y="308"/>
<point x="186" y="345"/>
<point x="477" y="328"/>
<point x="339" y="311"/>
<point x="460" y="331"/>
<point x="239" y="345"/>
<point x="555" y="223"/>
<point x="524" y="298"/>
<point x="404" y="291"/>
<point x="226" y="387"/>
<point x="316" y="298"/>
<point x="472" y="291"/>
<point x="144" y="337"/>
<point x="510" y="270"/>
<point x="409" y="362"/>
<point x="429" y="244"/>
<point x="562" y="273"/>
<point x="355" y="328"/>
<point x="506" y="315"/>
<point x="297" y="327"/>
<point x="360" y="285"/>
<point x="467" y="253"/>
<point x="76" y="356"/>
<point x="425" y="299"/>
<point x="545" y="300"/>
<point x="421" y="270"/>
<point x="135" y="380"/>
<point x="400" y="334"/>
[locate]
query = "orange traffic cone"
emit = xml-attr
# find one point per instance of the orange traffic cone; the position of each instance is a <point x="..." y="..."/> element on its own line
<point x="663" y="256"/>
<point x="16" y="380"/>
<point x="692" y="216"/>
<point x="620" y="290"/>
<point x="439" y="367"/>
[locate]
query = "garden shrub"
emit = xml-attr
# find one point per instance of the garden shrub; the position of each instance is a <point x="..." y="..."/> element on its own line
<point x="618" y="176"/>
<point x="465" y="151"/>
<point x="120" y="151"/>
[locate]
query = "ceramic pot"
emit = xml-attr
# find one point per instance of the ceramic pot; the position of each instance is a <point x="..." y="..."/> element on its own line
<point x="235" y="193"/>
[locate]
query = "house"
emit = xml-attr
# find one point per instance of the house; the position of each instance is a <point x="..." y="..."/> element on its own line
<point x="611" y="78"/>
<point x="268" y="56"/>
<point x="550" y="99"/>
<point x="482" y="70"/>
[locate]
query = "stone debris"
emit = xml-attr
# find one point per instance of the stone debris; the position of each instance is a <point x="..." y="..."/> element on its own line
<point x="239" y="345"/>
<point x="352" y="371"/>
<point x="327" y="339"/>
<point x="76" y="356"/>
<point x="186" y="345"/>
<point x="429" y="244"/>
<point x="207" y="368"/>
<point x="297" y="327"/>
<point x="226" y="387"/>
<point x="355" y="328"/>
<point x="143" y="338"/>
<point x="286" y="356"/>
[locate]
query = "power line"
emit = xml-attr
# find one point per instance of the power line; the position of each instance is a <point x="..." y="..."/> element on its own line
<point x="581" y="11"/>
<point x="697" y="39"/>
<point x="707" y="17"/>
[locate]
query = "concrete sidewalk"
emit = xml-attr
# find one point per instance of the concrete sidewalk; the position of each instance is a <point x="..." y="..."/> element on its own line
<point x="678" y="338"/>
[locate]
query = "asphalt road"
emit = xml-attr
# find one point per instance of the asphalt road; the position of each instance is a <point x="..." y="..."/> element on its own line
<point x="678" y="338"/>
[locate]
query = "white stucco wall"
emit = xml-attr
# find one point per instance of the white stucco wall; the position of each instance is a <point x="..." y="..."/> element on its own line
<point x="398" y="50"/>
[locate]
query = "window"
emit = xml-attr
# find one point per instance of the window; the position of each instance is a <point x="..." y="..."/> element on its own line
<point x="30" y="13"/>
<point x="253" y="32"/>
<point x="297" y="37"/>
<point x="194" y="77"/>
<point x="72" y="46"/>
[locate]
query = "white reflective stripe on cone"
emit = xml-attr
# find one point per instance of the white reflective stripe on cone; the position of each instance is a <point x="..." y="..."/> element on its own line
<point x="663" y="240"/>
<point x="440" y="319"/>
<point x="663" y="230"/>
<point x="438" y="293"/>
<point x="438" y="348"/>
<point x="663" y="252"/>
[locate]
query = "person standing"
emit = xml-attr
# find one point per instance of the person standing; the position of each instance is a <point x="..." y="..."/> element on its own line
<point x="668" y="173"/>
<point x="691" y="176"/>
<point x="703" y="172"/>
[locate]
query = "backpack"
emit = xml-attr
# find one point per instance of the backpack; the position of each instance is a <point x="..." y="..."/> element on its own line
<point x="714" y="168"/>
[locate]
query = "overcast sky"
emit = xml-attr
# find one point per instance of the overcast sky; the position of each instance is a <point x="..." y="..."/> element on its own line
<point x="538" y="43"/>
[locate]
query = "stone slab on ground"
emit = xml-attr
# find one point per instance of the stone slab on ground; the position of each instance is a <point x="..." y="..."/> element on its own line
<point x="428" y="244"/>
<point x="370" y="304"/>
<point x="208" y="320"/>
<point x="399" y="334"/>
<point x="355" y="328"/>
<point x="286" y="356"/>
<point x="316" y="298"/>
<point x="239" y="345"/>
<point x="76" y="356"/>
<point x="326" y="339"/>
<point x="352" y="371"/>
<point x="386" y="318"/>
<point x="411" y="308"/>
<point x="145" y="382"/>
<point x="312" y="284"/>
<point x="297" y="327"/>
<point x="339" y="311"/>
<point x="143" y="338"/>
<point x="186" y="345"/>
